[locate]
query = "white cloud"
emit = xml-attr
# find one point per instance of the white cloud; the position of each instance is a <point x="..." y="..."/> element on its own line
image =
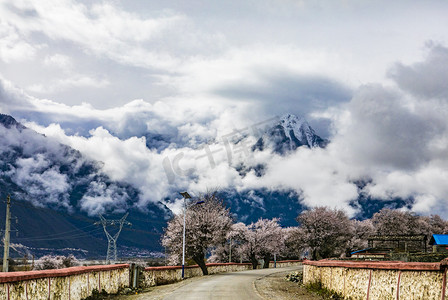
<point x="425" y="79"/>
<point x="79" y="81"/>
<point x="102" y="29"/>
<point x="44" y="184"/>
<point x="12" y="47"/>
<point x="159" y="49"/>
<point x="100" y="198"/>
<point x="59" y="60"/>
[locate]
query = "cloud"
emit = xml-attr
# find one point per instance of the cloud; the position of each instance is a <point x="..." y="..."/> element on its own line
<point x="32" y="162"/>
<point x="384" y="131"/>
<point x="119" y="35"/>
<point x="59" y="60"/>
<point x="79" y="81"/>
<point x="280" y="91"/>
<point x="13" y="99"/>
<point x="425" y="79"/>
<point x="100" y="198"/>
<point x="316" y="174"/>
<point x="171" y="49"/>
<point x="49" y="174"/>
<point x="43" y="183"/>
<point x="12" y="47"/>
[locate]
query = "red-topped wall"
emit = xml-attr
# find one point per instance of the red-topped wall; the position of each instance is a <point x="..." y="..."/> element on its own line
<point x="379" y="279"/>
<point x="73" y="283"/>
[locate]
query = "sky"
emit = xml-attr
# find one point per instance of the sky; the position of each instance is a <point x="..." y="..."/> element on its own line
<point x="110" y="77"/>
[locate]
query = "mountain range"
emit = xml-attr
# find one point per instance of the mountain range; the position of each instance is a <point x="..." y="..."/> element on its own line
<point x="54" y="187"/>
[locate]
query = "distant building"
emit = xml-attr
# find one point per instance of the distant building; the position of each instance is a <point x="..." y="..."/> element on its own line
<point x="369" y="253"/>
<point x="399" y="243"/>
<point x="439" y="243"/>
<point x="382" y="246"/>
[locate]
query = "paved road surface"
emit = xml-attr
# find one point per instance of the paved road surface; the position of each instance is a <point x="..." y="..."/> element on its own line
<point x="237" y="285"/>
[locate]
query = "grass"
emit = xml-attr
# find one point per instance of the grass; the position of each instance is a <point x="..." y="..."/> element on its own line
<point x="317" y="288"/>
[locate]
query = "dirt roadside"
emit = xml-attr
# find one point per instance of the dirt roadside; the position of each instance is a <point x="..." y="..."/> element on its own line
<point x="276" y="287"/>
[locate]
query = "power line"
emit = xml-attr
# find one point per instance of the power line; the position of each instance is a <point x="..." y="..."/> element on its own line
<point x="75" y="236"/>
<point x="148" y="221"/>
<point x="27" y="204"/>
<point x="142" y="231"/>
<point x="57" y="234"/>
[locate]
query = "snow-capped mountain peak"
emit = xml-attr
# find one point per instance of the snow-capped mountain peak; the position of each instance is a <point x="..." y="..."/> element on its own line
<point x="298" y="127"/>
<point x="290" y="133"/>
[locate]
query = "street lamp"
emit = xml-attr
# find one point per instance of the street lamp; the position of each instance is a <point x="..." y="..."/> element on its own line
<point x="186" y="196"/>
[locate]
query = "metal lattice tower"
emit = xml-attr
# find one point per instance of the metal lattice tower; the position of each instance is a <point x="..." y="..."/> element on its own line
<point x="112" y="240"/>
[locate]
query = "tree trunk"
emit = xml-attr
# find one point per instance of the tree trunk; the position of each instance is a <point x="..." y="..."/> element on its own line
<point x="199" y="259"/>
<point x="314" y="254"/>
<point x="266" y="259"/>
<point x="348" y="252"/>
<point x="254" y="261"/>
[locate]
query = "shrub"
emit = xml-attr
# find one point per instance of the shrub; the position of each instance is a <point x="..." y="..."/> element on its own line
<point x="295" y="277"/>
<point x="48" y="262"/>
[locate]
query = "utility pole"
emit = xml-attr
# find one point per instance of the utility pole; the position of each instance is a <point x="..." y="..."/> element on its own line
<point x="230" y="251"/>
<point x="112" y="240"/>
<point x="186" y="196"/>
<point x="6" y="236"/>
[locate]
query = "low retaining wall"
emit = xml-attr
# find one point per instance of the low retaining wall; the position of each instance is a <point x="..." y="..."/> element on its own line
<point x="379" y="280"/>
<point x="163" y="275"/>
<point x="71" y="283"/>
<point x="285" y="263"/>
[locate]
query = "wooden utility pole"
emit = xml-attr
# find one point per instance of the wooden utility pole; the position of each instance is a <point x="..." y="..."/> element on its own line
<point x="6" y="237"/>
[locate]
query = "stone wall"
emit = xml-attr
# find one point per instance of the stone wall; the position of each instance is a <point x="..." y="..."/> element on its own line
<point x="378" y="280"/>
<point x="164" y="275"/>
<point x="285" y="263"/>
<point x="71" y="283"/>
<point x="79" y="282"/>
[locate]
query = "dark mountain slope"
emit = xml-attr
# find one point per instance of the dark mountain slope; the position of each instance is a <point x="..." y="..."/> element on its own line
<point x="51" y="183"/>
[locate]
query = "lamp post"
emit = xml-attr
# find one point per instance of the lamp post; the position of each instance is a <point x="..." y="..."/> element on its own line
<point x="186" y="196"/>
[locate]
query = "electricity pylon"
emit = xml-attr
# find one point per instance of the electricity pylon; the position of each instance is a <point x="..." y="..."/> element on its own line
<point x="112" y="240"/>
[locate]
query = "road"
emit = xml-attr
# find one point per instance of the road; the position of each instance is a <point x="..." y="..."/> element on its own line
<point x="236" y="285"/>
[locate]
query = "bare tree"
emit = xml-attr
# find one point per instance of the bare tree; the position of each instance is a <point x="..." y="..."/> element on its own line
<point x="325" y="231"/>
<point x="270" y="238"/>
<point x="437" y="224"/>
<point x="295" y="246"/>
<point x="396" y="222"/>
<point x="259" y="240"/>
<point x="361" y="231"/>
<point x="234" y="241"/>
<point x="207" y="226"/>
